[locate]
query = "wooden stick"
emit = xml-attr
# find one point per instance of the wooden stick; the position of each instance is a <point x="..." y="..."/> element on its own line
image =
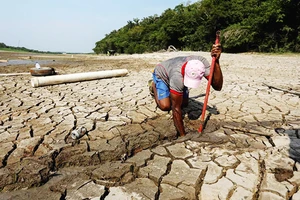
<point x="283" y="90"/>
<point x="246" y="130"/>
<point x="208" y="87"/>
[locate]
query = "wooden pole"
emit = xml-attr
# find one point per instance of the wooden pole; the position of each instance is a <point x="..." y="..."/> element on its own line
<point x="212" y="67"/>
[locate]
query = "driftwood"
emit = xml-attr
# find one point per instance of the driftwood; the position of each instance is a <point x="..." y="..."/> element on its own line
<point x="171" y="48"/>
<point x="111" y="52"/>
<point x="246" y="130"/>
<point x="281" y="89"/>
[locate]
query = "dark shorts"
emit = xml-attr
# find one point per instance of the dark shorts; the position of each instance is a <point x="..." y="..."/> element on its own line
<point x="163" y="91"/>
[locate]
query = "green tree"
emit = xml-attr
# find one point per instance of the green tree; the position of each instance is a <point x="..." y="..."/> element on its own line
<point x="2" y="45"/>
<point x="246" y="25"/>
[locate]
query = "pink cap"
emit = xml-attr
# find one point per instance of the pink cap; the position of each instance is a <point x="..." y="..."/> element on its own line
<point x="194" y="71"/>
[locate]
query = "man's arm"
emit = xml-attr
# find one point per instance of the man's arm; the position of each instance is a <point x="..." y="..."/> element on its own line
<point x="217" y="79"/>
<point x="176" y="101"/>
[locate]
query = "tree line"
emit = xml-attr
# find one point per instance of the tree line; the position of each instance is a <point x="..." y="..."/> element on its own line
<point x="245" y="25"/>
<point x="3" y="46"/>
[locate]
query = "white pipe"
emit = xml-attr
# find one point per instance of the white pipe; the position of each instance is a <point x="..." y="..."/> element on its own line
<point x="70" y="78"/>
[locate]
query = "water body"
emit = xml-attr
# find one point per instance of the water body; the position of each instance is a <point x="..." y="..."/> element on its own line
<point x="26" y="62"/>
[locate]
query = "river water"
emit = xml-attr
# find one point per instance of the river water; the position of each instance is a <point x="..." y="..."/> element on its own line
<point x="26" y="62"/>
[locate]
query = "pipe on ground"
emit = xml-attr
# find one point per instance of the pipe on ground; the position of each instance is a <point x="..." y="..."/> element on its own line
<point x="70" y="78"/>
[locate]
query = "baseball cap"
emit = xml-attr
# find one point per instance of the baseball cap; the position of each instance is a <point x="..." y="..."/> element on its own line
<point x="194" y="72"/>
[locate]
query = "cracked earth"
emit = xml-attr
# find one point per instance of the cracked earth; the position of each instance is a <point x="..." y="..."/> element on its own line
<point x="250" y="147"/>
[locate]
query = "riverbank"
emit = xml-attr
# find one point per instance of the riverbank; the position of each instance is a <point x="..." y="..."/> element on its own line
<point x="250" y="146"/>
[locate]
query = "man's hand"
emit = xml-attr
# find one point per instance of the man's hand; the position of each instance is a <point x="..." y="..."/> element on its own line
<point x="217" y="80"/>
<point x="216" y="51"/>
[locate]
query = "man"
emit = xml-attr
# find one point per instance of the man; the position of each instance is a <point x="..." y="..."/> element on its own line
<point x="173" y="77"/>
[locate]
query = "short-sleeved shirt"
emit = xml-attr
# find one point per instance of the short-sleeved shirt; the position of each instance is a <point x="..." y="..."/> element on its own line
<point x="170" y="72"/>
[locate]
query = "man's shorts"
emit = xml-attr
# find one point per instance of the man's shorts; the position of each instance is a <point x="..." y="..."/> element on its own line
<point x="163" y="91"/>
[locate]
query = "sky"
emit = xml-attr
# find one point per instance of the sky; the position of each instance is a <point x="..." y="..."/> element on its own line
<point x="71" y="25"/>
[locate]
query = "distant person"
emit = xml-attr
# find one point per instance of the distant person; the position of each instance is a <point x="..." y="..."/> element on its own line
<point x="173" y="77"/>
<point x="37" y="65"/>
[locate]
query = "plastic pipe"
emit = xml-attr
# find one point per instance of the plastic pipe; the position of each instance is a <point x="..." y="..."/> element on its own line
<point x="70" y="78"/>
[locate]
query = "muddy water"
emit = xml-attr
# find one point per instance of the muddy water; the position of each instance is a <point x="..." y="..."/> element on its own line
<point x="26" y="62"/>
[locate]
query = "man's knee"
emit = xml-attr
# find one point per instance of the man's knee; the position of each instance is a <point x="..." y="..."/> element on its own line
<point x="164" y="106"/>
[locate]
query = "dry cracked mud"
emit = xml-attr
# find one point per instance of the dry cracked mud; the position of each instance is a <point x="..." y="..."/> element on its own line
<point x="250" y="147"/>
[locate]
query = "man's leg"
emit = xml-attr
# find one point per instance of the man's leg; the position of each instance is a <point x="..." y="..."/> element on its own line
<point x="164" y="103"/>
<point x="161" y="94"/>
<point x="185" y="97"/>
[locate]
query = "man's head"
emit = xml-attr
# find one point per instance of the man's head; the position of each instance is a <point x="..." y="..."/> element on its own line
<point x="194" y="72"/>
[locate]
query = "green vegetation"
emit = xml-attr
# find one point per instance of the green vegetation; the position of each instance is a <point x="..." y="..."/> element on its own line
<point x="4" y="47"/>
<point x="246" y="25"/>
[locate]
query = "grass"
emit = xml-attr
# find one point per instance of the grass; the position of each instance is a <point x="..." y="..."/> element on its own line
<point x="12" y="50"/>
